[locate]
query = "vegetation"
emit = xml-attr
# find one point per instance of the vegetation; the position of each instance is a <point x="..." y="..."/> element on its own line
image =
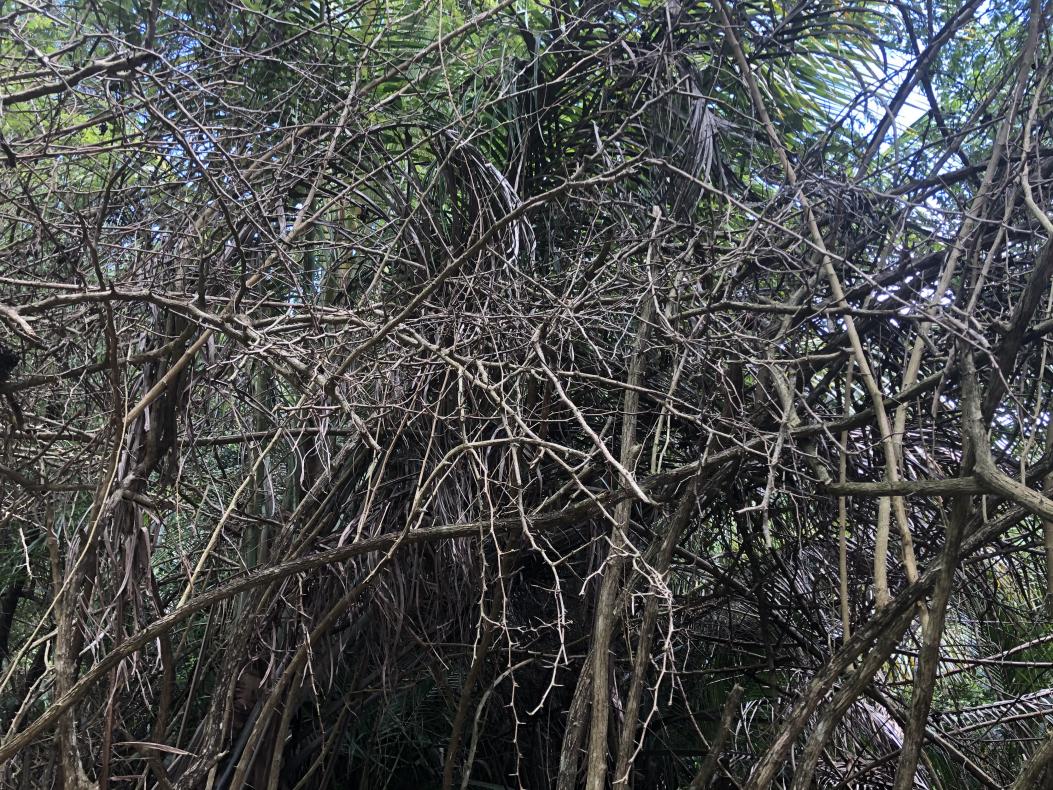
<point x="505" y="394"/>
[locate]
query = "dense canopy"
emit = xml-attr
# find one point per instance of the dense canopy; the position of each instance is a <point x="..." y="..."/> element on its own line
<point x="509" y="394"/>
